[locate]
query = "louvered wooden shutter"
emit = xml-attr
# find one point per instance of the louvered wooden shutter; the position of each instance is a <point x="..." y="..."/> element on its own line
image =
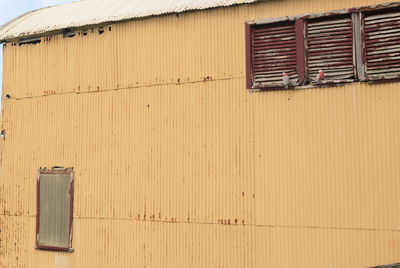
<point x="273" y="53"/>
<point x="330" y="48"/>
<point x="382" y="44"/>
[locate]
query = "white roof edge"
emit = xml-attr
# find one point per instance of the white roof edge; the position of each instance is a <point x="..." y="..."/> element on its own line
<point x="94" y="12"/>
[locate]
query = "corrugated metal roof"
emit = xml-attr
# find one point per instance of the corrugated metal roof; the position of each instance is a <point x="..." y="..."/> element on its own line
<point x="92" y="12"/>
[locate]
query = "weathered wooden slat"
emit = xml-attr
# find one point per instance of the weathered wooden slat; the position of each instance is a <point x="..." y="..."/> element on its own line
<point x="382" y="26"/>
<point x="290" y="32"/>
<point x="329" y="65"/>
<point x="273" y="36"/>
<point x="334" y="29"/>
<point x="329" y="51"/>
<point x="386" y="51"/>
<point x="328" y="22"/>
<point x="277" y="66"/>
<point x="281" y="43"/>
<point x="274" y="53"/>
<point x="379" y="31"/>
<point x="319" y="38"/>
<point x="367" y="23"/>
<point x="284" y="58"/>
<point x="384" y="15"/>
<point x="333" y="32"/>
<point x="330" y="47"/>
<point x="380" y="35"/>
<point x="328" y="27"/>
<point x="264" y="29"/>
<point x="331" y="56"/>
<point x="382" y="73"/>
<point x="383" y="41"/>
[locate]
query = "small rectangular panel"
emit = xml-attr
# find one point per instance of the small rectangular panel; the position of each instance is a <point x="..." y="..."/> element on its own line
<point x="54" y="210"/>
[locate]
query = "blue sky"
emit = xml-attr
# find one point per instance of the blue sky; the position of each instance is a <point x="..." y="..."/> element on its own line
<point x="10" y="9"/>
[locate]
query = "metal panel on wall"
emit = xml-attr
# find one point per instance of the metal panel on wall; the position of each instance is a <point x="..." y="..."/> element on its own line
<point x="54" y="210"/>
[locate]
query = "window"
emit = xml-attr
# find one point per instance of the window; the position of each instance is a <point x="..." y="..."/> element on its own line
<point x="54" y="209"/>
<point x="273" y="53"/>
<point x="382" y="44"/>
<point x="359" y="44"/>
<point x="330" y="48"/>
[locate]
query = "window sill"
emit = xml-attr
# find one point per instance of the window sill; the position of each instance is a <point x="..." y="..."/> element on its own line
<point x="323" y="84"/>
<point x="382" y="80"/>
<point x="333" y="83"/>
<point x="45" y="248"/>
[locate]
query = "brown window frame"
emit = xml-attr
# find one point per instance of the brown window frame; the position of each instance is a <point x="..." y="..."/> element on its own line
<point x="301" y="24"/>
<point x="357" y="16"/>
<point x="55" y="170"/>
<point x="300" y="58"/>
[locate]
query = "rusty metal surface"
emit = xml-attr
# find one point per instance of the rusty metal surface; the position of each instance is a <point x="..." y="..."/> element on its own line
<point x="382" y="44"/>
<point x="330" y="48"/>
<point x="92" y="12"/>
<point x="178" y="165"/>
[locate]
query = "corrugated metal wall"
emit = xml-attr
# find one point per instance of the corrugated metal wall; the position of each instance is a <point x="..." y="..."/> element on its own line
<point x="178" y="165"/>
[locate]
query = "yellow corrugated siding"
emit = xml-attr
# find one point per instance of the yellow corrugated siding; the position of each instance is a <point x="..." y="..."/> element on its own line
<point x="194" y="173"/>
<point x="117" y="243"/>
<point x="188" y="47"/>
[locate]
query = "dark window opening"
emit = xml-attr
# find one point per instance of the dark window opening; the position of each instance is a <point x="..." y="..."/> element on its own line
<point x="68" y="33"/>
<point x="31" y="41"/>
